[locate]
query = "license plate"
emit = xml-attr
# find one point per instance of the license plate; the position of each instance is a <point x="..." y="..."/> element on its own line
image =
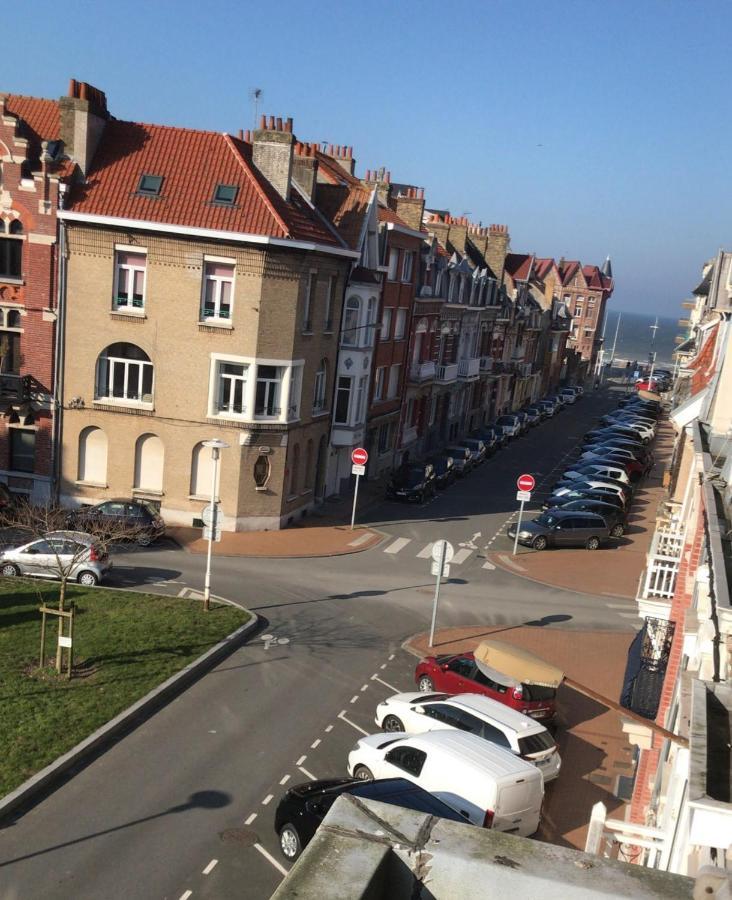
<point x="401" y="493"/>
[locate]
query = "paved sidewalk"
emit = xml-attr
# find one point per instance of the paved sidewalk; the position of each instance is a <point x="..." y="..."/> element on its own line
<point x="613" y="570"/>
<point x="594" y="750"/>
<point x="294" y="542"/>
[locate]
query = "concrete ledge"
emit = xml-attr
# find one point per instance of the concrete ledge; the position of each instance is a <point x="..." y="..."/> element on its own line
<point x="45" y="780"/>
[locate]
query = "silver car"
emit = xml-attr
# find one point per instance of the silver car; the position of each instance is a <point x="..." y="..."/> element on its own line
<point x="74" y="554"/>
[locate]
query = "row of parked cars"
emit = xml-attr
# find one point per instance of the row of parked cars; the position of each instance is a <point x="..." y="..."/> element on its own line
<point x="466" y="751"/>
<point x="421" y="481"/>
<point x="591" y="500"/>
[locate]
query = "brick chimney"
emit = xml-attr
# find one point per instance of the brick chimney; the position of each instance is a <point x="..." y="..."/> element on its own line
<point x="343" y="156"/>
<point x="381" y="180"/>
<point x="305" y="168"/>
<point x="496" y="248"/>
<point x="409" y="205"/>
<point x="83" y="115"/>
<point x="272" y="150"/>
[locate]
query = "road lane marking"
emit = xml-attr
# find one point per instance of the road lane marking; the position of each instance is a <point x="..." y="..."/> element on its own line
<point x="315" y="743"/>
<point x="391" y="656"/>
<point x="426" y="551"/>
<point x="267" y="799"/>
<point x="461" y="556"/>
<point x="250" y="819"/>
<point x="360" y="540"/>
<point x="353" y="699"/>
<point x="382" y="666"/>
<point x="399" y="544"/>
<point x="489" y="566"/>
<point x="301" y="760"/>
<point x="364" y="688"/>
<point x="186" y="895"/>
<point x="284" y="779"/>
<point x="329" y="728"/>
<point x="307" y="774"/>
<point x="210" y="867"/>
<point x="182" y="592"/>
<point x="385" y="683"/>
<point x="352" y="724"/>
<point x="268" y="856"/>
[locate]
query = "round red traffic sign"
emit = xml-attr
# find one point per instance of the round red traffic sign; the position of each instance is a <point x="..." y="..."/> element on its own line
<point x="359" y="457"/>
<point x="525" y="482"/>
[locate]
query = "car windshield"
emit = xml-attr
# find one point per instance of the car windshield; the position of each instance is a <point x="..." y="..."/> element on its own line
<point x="537" y="692"/>
<point x="440" y="465"/>
<point x="414" y="477"/>
<point x="505" y="420"/>
<point x="536" y="743"/>
<point x="546" y="519"/>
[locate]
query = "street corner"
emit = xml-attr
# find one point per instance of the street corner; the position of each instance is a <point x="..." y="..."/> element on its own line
<point x="290" y="543"/>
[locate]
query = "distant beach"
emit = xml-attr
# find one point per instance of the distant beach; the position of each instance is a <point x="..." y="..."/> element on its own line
<point x="634" y="337"/>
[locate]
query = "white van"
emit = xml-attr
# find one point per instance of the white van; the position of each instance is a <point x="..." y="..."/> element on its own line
<point x="485" y="783"/>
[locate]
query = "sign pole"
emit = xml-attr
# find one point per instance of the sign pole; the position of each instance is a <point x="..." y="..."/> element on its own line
<point x="355" y="498"/>
<point x="518" y="527"/>
<point x="443" y="553"/>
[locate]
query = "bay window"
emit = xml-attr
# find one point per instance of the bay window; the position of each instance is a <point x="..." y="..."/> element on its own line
<point x="268" y="391"/>
<point x="351" y="316"/>
<point x="343" y="399"/>
<point x="231" y="388"/>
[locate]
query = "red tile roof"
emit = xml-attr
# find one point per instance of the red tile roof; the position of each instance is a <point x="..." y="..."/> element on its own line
<point x="518" y="265"/>
<point x="568" y="269"/>
<point x="39" y="116"/>
<point x="191" y="163"/>
<point x="543" y="266"/>
<point x="595" y="278"/>
<point x="386" y="214"/>
<point x="703" y="362"/>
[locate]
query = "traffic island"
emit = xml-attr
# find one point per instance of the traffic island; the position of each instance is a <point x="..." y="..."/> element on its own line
<point x="132" y="652"/>
<point x="597" y="761"/>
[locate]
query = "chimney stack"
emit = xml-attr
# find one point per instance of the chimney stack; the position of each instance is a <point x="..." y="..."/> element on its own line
<point x="83" y="114"/>
<point x="272" y="153"/>
<point x="343" y="156"/>
<point x="305" y="168"/>
<point x="410" y="207"/>
<point x="496" y="248"/>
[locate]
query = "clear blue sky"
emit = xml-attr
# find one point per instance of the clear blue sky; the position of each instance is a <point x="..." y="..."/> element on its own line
<point x="589" y="127"/>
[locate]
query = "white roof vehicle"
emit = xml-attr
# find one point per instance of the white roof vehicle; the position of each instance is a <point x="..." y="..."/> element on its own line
<point x="490" y="786"/>
<point x="417" y="712"/>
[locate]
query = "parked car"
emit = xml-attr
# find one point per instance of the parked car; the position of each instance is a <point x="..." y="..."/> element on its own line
<point x="614" y="431"/>
<point x="443" y="469"/>
<point x="415" y="713"/>
<point x="605" y="494"/>
<point x="498" y="433"/>
<point x="304" y="806"/>
<point x="127" y="517"/>
<point x="487" y="784"/>
<point x="477" y="449"/>
<point x="646" y="432"/>
<point x="509" y="424"/>
<point x="547" y="406"/>
<point x="533" y="414"/>
<point x="568" y="395"/>
<point x="523" y="420"/>
<point x="462" y="460"/>
<point x="613" y="515"/>
<point x="557" y="400"/>
<point x="416" y="482"/>
<point x="74" y="554"/>
<point x="597" y="479"/>
<point x="592" y="484"/>
<point x="489" y="438"/>
<point x="460" y="674"/>
<point x="634" y="468"/>
<point x="596" y="468"/>
<point x="557" y="528"/>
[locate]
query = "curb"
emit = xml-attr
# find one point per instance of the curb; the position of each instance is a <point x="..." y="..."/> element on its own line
<point x="44" y="780"/>
<point x="346" y="551"/>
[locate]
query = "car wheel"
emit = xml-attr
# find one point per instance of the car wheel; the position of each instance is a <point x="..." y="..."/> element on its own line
<point x="539" y="543"/>
<point x="290" y="842"/>
<point x="8" y="570"/>
<point x="144" y="539"/>
<point x="617" y="530"/>
<point x="87" y="578"/>
<point x="593" y="543"/>
<point x="363" y="773"/>
<point x="392" y="723"/>
<point x="425" y="684"/>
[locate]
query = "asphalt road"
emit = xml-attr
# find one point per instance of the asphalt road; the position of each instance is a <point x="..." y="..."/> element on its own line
<point x="185" y="803"/>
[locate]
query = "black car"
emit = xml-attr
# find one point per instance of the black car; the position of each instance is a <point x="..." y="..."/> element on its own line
<point x="560" y="528"/>
<point x="614" y="516"/>
<point x="127" y="517"/>
<point x="489" y="438"/>
<point x="304" y="806"/>
<point x="412" y="483"/>
<point x="603" y="434"/>
<point x="533" y="414"/>
<point x="606" y="495"/>
<point x="443" y="469"/>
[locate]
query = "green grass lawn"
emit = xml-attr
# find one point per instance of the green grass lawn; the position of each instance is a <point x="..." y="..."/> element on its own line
<point x="124" y="645"/>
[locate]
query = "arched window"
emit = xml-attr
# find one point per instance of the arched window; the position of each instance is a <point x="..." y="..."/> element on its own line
<point x="202" y="472"/>
<point x="351" y="316"/>
<point x="13" y="319"/>
<point x="309" y="470"/>
<point x="124" y="372"/>
<point x="295" y="470"/>
<point x="320" y="387"/>
<point x="92" y="465"/>
<point x="16" y="227"/>
<point x="149" y="459"/>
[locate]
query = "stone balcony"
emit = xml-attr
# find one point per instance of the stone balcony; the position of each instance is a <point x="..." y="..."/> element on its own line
<point x="469" y="368"/>
<point x="421" y="372"/>
<point x="446" y="374"/>
<point x="486" y="365"/>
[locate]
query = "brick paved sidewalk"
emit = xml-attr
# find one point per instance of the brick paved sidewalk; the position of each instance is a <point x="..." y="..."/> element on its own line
<point x="292" y="542"/>
<point x="594" y="749"/>
<point x="613" y="570"/>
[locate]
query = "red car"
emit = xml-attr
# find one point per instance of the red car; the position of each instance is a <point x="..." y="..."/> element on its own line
<point x="461" y="675"/>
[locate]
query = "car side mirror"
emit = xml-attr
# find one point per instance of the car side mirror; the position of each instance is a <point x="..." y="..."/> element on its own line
<point x="418" y="709"/>
<point x="445" y="667"/>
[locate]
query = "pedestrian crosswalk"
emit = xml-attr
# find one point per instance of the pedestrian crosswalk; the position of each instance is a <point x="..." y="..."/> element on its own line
<point x="425" y="552"/>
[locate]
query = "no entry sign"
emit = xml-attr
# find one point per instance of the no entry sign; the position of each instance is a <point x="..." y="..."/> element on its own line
<point x="359" y="457"/>
<point x="525" y="482"/>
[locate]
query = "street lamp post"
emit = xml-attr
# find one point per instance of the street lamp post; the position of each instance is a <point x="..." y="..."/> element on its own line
<point x="216" y="447"/>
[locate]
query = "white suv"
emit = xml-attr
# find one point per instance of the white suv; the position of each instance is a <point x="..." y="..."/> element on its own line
<point x="416" y="713"/>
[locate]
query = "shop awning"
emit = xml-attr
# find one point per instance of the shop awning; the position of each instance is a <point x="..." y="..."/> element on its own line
<point x="518" y="665"/>
<point x="689" y="410"/>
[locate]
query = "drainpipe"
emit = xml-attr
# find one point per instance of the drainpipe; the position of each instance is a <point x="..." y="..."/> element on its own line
<point x="58" y="353"/>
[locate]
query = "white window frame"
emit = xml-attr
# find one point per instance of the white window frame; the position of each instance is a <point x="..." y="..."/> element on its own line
<point x="393" y="265"/>
<point x="320" y="386"/>
<point x="290" y="388"/>
<point x="112" y="364"/>
<point x="128" y="306"/>
<point x="218" y="281"/>
<point x="350" y="337"/>
<point x="350" y="379"/>
<point x="379" y="382"/>
<point x="407" y="266"/>
<point x="386" y="317"/>
<point x="232" y="380"/>
<point x="400" y="319"/>
<point x="362" y="390"/>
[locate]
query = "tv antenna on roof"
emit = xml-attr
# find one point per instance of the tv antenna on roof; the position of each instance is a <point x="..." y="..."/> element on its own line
<point x="255" y="95"/>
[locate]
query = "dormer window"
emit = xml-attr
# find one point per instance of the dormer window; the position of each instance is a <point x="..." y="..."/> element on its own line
<point x="150" y="185"/>
<point x="225" y="194"/>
